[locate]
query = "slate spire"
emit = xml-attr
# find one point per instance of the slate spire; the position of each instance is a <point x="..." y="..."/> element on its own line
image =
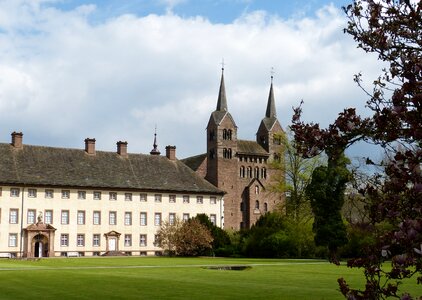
<point x="271" y="113"/>
<point x="222" y="100"/>
<point x="155" y="150"/>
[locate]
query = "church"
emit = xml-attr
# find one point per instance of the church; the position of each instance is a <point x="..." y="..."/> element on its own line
<point x="242" y="168"/>
<point x="87" y="202"/>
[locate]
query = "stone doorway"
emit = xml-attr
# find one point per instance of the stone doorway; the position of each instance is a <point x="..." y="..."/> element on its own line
<point x="39" y="240"/>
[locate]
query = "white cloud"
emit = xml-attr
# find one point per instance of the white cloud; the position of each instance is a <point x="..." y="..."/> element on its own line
<point x="64" y="79"/>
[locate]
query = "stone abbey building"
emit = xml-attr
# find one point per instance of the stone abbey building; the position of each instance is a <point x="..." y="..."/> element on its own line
<point x="85" y="202"/>
<point x="241" y="168"/>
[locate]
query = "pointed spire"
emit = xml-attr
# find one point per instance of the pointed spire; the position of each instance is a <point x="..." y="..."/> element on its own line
<point x="222" y="100"/>
<point x="271" y="113"/>
<point x="155" y="150"/>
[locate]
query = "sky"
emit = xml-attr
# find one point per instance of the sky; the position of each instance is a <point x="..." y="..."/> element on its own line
<point x="115" y="70"/>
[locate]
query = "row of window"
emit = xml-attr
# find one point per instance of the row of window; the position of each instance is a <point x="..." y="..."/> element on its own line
<point x="227" y="134"/>
<point x="65" y="194"/>
<point x="242" y="206"/>
<point x="96" y="217"/>
<point x="257" y="173"/>
<point x="252" y="159"/>
<point x="80" y="240"/>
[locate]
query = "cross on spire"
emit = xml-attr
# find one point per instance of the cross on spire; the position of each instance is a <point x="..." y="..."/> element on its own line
<point x="272" y="74"/>
<point x="222" y="64"/>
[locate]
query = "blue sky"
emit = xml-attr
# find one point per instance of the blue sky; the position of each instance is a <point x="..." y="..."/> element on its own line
<point x="217" y="11"/>
<point x="115" y="69"/>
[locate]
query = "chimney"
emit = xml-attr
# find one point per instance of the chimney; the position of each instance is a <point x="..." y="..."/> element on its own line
<point x="171" y="152"/>
<point x="122" y="148"/>
<point x="90" y="146"/>
<point x="17" y="140"/>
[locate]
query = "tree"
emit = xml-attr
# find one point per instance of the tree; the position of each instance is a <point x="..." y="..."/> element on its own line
<point x="193" y="239"/>
<point x="221" y="239"/>
<point x="392" y="29"/>
<point x="295" y="176"/>
<point x="168" y="235"/>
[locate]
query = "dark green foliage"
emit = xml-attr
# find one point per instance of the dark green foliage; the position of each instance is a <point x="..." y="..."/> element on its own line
<point x="221" y="244"/>
<point x="326" y="192"/>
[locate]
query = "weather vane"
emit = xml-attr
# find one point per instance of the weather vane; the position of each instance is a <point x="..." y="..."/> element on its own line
<point x="272" y="73"/>
<point x="222" y="64"/>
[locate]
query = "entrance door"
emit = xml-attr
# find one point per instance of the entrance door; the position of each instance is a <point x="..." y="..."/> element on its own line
<point x="38" y="249"/>
<point x="112" y="244"/>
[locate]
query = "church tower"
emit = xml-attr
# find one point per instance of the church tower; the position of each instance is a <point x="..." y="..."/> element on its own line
<point x="270" y="131"/>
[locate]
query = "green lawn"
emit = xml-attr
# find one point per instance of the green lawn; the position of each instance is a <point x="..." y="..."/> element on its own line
<point x="172" y="278"/>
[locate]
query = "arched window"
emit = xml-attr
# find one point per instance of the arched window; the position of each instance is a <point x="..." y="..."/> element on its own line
<point x="249" y="172"/>
<point x="256" y="189"/>
<point x="264" y="173"/>
<point x="242" y="172"/>
<point x="256" y="172"/>
<point x="226" y="134"/>
<point x="229" y="134"/>
<point x="229" y="153"/>
<point x="265" y="207"/>
<point x="241" y="206"/>
<point x="256" y="204"/>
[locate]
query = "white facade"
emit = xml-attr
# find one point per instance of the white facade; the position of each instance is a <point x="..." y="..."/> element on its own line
<point x="92" y="221"/>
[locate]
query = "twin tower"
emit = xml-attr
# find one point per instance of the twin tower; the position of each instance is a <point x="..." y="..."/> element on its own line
<point x="243" y="169"/>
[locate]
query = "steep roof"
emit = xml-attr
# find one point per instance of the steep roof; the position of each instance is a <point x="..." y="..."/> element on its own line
<point x="48" y="166"/>
<point x="250" y="148"/>
<point x="222" y="100"/>
<point x="194" y="162"/>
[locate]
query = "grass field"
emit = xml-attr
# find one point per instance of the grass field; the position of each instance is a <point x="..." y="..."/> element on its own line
<point x="173" y="278"/>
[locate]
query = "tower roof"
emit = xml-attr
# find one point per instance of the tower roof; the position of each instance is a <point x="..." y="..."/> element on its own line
<point x="222" y="100"/>
<point x="271" y="112"/>
<point x="155" y="150"/>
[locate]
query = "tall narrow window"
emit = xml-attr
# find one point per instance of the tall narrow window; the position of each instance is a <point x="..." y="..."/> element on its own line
<point x="13" y="239"/>
<point x="31" y="216"/>
<point x="96" y="240"/>
<point x="185" y="217"/>
<point x="242" y="172"/>
<point x="65" y="217"/>
<point x="14" y="216"/>
<point x="172" y="218"/>
<point x="96" y="217"/>
<point x="264" y="173"/>
<point x="80" y="240"/>
<point x="256" y="204"/>
<point x="128" y="240"/>
<point x="112" y="218"/>
<point x="48" y="216"/>
<point x="265" y="207"/>
<point x="157" y="219"/>
<point x="213" y="219"/>
<point x="128" y="218"/>
<point x="64" y="240"/>
<point x="143" y="218"/>
<point x="143" y="240"/>
<point x="81" y="217"/>
<point x="249" y="172"/>
<point x="256" y="172"/>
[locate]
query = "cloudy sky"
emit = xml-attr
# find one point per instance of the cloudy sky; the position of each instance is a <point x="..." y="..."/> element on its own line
<point x="115" y="69"/>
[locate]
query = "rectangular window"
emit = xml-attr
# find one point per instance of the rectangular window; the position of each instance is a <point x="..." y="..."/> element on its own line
<point x="30" y="219"/>
<point x="143" y="240"/>
<point x="128" y="218"/>
<point x="128" y="240"/>
<point x="112" y="218"/>
<point x="172" y="198"/>
<point x="213" y="200"/>
<point x="81" y="217"/>
<point x="185" y="217"/>
<point x="14" y="192"/>
<point x="80" y="240"/>
<point x="172" y="218"/>
<point x="49" y="194"/>
<point x="13" y="239"/>
<point x="128" y="196"/>
<point x="199" y="199"/>
<point x="14" y="216"/>
<point x="157" y="219"/>
<point x="81" y="195"/>
<point x="185" y="199"/>
<point x="32" y="193"/>
<point x="65" y="217"/>
<point x="64" y="240"/>
<point x="48" y="217"/>
<point x="96" y="240"/>
<point x="65" y="194"/>
<point x="213" y="219"/>
<point x="97" y="195"/>
<point x="156" y="240"/>
<point x="96" y="217"/>
<point x="157" y="198"/>
<point x="113" y="196"/>
<point x="143" y="197"/>
<point x="143" y="219"/>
